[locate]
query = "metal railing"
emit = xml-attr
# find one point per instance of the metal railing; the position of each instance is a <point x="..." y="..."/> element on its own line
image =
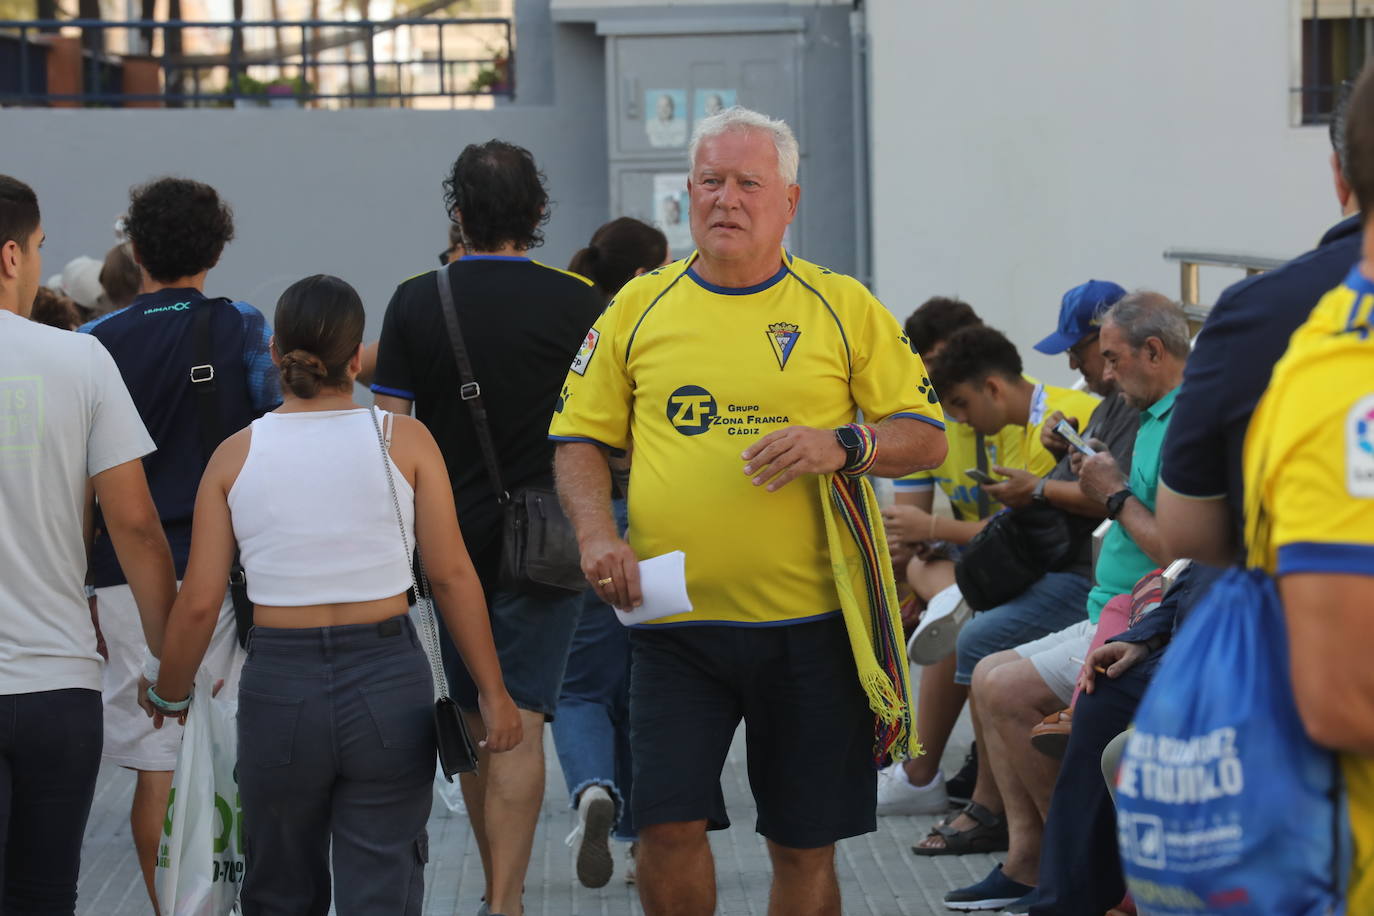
<point x="323" y="63"/>
<point x="1190" y="262"/>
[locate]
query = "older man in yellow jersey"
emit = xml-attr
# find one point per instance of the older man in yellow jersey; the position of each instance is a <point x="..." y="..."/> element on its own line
<point x="741" y="371"/>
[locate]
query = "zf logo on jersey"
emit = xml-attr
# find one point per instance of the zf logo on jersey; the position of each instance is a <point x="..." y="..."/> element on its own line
<point x="691" y="409"/>
<point x="584" y="353"/>
<point x="782" y="337"/>
<point x="1359" y="449"/>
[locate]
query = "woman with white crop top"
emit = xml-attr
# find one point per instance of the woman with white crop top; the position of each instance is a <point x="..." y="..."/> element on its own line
<point x="336" y="735"/>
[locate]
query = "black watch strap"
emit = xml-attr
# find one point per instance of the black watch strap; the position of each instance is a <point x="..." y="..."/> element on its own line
<point x="1116" y="501"/>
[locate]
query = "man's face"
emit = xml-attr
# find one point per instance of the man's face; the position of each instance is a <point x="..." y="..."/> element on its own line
<point x="741" y="205"/>
<point x="1128" y="368"/>
<point x="974" y="404"/>
<point x="1086" y="357"/>
<point x="24" y="264"/>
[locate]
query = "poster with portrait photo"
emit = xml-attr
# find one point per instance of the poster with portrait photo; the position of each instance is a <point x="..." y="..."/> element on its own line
<point x="670" y="210"/>
<point x="665" y="117"/>
<point x="712" y="101"/>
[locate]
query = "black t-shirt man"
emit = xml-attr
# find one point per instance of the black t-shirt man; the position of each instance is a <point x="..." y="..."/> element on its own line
<point x="522" y="324"/>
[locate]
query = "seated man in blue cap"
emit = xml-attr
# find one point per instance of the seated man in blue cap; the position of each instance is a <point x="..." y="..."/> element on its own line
<point x="1059" y="598"/>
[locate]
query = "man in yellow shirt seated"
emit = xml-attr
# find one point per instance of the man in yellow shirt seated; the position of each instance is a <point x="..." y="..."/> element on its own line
<point x="982" y="373"/>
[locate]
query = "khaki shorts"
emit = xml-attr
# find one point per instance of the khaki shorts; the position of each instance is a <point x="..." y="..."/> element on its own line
<point x="130" y="739"/>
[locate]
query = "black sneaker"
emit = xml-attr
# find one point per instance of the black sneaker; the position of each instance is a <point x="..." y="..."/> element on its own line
<point x="960" y="788"/>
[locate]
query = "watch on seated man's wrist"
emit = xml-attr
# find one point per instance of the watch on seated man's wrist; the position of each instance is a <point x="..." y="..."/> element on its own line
<point x="1116" y="501"/>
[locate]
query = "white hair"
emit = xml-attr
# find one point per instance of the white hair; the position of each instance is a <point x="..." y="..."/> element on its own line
<point x="737" y="118"/>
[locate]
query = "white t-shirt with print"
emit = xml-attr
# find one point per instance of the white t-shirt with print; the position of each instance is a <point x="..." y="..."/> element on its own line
<point x="65" y="416"/>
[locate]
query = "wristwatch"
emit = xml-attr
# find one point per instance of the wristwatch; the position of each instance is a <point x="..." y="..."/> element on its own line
<point x="1038" y="495"/>
<point x="852" y="443"/>
<point x="1116" y="501"/>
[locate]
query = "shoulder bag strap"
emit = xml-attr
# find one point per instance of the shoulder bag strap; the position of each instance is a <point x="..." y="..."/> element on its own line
<point x="469" y="390"/>
<point x="422" y="598"/>
<point x="203" y="381"/>
<point x="984" y="503"/>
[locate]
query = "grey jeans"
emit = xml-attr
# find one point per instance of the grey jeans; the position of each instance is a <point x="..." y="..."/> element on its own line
<point x="336" y="745"/>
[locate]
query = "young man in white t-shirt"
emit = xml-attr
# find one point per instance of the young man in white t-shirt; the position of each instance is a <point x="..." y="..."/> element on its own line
<point x="66" y="422"/>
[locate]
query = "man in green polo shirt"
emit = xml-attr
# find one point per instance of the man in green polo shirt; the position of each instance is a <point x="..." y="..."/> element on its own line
<point x="1144" y="343"/>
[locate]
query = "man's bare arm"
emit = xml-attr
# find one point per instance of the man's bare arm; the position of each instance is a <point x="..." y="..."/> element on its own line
<point x="392" y="404"/>
<point x="904" y="446"/>
<point x="583" y="478"/>
<point x="134" y="527"/>
<point x="1329" y="631"/>
<point x="1199" y="529"/>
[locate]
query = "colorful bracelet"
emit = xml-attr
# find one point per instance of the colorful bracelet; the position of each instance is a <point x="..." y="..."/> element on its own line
<point x="167" y="708"/>
<point x="867" y="454"/>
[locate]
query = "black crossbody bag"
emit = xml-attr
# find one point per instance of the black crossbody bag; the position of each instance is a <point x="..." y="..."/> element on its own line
<point x="1012" y="552"/>
<point x="538" y="544"/>
<point x="211" y="435"/>
<point x="457" y="754"/>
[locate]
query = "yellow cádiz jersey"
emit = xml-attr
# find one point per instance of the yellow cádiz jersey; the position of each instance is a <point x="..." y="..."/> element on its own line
<point x="1309" y="482"/>
<point x="1011" y="447"/>
<point x="694" y="374"/>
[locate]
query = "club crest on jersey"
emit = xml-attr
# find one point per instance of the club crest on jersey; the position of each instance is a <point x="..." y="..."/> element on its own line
<point x="782" y="337"/>
<point x="584" y="353"/>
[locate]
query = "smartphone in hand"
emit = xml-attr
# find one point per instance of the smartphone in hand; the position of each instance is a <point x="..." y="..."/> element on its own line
<point x="981" y="476"/>
<point x="1065" y="429"/>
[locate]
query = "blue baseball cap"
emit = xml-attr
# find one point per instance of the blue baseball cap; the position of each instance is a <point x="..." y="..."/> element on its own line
<point x="1079" y="312"/>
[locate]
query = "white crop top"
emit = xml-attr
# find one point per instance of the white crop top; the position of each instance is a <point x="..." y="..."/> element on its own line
<point x="313" y="513"/>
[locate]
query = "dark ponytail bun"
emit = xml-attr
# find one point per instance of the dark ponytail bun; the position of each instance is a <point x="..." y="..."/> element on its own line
<point x="318" y="326"/>
<point x="302" y="372"/>
<point x="617" y="250"/>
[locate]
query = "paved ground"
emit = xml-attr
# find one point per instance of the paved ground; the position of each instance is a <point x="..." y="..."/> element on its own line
<point x="880" y="875"/>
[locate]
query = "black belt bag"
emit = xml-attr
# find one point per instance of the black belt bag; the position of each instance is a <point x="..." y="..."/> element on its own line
<point x="1013" y="551"/>
<point x="538" y="544"/>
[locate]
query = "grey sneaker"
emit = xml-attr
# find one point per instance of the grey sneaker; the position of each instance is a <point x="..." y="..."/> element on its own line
<point x="591" y="838"/>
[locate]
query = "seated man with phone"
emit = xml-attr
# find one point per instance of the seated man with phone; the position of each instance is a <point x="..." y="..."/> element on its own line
<point x="994" y="400"/>
<point x="1059" y="597"/>
<point x="1144" y="343"/>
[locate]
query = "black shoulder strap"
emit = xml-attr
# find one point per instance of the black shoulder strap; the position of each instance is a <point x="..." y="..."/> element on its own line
<point x="469" y="390"/>
<point x="984" y="504"/>
<point x="203" y="381"/>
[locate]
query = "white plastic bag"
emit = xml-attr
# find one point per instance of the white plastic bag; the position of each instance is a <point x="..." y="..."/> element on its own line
<point x="200" y="859"/>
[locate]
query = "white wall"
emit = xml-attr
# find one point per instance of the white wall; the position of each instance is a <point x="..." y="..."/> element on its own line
<point x="1021" y="148"/>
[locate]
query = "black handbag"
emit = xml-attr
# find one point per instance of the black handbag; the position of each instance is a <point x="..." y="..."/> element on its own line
<point x="457" y="754"/>
<point x="1013" y="551"/>
<point x="539" y="549"/>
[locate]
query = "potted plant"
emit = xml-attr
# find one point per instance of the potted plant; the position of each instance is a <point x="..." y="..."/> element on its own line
<point x="495" y="76"/>
<point x="287" y="93"/>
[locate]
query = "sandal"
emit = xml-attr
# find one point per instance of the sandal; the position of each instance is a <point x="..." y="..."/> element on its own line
<point x="1051" y="737"/>
<point x="989" y="835"/>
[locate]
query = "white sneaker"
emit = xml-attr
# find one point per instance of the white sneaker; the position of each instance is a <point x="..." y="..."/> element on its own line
<point x="898" y="796"/>
<point x="938" y="632"/>
<point x="591" y="838"/>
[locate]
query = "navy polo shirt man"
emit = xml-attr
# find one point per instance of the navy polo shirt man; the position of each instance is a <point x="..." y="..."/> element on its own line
<point x="178" y="229"/>
<point x="1201" y="511"/>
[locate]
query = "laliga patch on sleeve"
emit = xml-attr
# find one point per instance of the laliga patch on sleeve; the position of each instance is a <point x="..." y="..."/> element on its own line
<point x="584" y="353"/>
<point x="1359" y="449"/>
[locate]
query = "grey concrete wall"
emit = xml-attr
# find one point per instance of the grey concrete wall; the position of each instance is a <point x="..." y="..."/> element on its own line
<point x="352" y="193"/>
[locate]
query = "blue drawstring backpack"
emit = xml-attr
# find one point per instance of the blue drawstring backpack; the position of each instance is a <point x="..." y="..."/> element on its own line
<point x="1224" y="805"/>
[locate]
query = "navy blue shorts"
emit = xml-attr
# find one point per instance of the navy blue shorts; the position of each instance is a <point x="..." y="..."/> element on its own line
<point x="808" y="729"/>
<point x="533" y="635"/>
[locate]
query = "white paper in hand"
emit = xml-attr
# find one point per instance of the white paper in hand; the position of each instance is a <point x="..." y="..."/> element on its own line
<point x="663" y="581"/>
